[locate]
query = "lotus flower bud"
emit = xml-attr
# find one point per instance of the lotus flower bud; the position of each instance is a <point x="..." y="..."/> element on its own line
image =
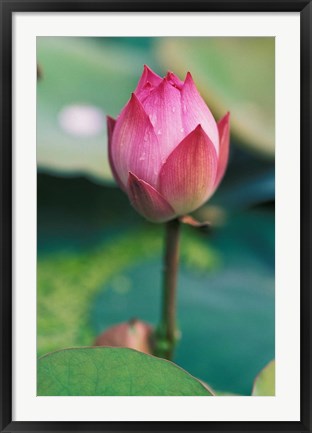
<point x="166" y="150"/>
<point x="134" y="334"/>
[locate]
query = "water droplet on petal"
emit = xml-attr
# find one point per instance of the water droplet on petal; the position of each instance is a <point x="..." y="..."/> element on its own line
<point x="173" y="109"/>
<point x="182" y="130"/>
<point x="184" y="108"/>
<point x="145" y="137"/>
<point x="159" y="132"/>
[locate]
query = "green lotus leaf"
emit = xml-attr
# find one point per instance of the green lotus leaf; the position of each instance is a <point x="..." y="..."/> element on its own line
<point x="265" y="381"/>
<point x="107" y="371"/>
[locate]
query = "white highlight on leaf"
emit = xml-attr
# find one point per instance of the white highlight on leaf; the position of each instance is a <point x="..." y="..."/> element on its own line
<point x="81" y="120"/>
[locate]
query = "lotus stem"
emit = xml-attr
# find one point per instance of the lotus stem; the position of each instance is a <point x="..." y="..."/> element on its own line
<point x="166" y="333"/>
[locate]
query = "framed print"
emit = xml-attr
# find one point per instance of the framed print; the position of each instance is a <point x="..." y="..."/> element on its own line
<point x="155" y="162"/>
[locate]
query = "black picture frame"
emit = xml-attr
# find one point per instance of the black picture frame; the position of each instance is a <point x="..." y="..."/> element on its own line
<point x="8" y="7"/>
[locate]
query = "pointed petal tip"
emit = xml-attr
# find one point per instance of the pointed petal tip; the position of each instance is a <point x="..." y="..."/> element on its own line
<point x="170" y="75"/>
<point x="226" y="117"/>
<point x="189" y="83"/>
<point x="224" y="124"/>
<point x="174" y="80"/>
<point x="162" y="86"/>
<point x="110" y="121"/>
<point x="188" y="77"/>
<point x="199" y="131"/>
<point x="148" y="201"/>
<point x="147" y="68"/>
<point x="110" y="125"/>
<point x="199" y="128"/>
<point x="149" y="73"/>
<point x="164" y="82"/>
<point x="134" y="100"/>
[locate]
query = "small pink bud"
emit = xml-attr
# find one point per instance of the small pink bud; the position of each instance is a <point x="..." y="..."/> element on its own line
<point x="134" y="334"/>
<point x="166" y="150"/>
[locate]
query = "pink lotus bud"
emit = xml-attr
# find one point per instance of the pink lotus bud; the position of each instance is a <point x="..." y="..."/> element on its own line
<point x="166" y="150"/>
<point x="134" y="334"/>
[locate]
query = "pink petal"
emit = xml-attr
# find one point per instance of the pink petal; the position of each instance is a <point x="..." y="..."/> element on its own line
<point x="163" y="106"/>
<point x="110" y="122"/>
<point x="134" y="144"/>
<point x="147" y="201"/>
<point x="174" y="80"/>
<point x="224" y="135"/>
<point x="195" y="112"/>
<point x="148" y="76"/>
<point x="187" y="178"/>
<point x="145" y="92"/>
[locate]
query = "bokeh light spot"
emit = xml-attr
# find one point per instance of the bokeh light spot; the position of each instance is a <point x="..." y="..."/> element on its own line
<point x="81" y="120"/>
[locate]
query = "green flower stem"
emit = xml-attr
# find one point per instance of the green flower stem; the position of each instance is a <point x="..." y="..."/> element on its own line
<point x="166" y="333"/>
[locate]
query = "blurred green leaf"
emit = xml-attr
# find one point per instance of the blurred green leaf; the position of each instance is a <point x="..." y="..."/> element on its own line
<point x="65" y="296"/>
<point x="233" y="74"/>
<point x="82" y="72"/>
<point x="115" y="372"/>
<point x="265" y="381"/>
